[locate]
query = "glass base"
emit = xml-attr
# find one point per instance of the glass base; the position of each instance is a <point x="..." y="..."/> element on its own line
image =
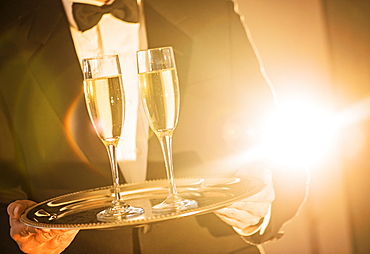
<point x="118" y="213"/>
<point x="174" y="203"/>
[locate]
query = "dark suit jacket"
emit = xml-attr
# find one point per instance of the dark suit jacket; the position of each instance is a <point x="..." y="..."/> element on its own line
<point x="48" y="146"/>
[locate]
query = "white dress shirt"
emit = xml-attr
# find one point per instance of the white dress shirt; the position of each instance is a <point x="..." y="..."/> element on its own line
<point x="114" y="36"/>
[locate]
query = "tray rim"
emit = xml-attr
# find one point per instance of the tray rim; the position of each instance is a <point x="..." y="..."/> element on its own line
<point x="143" y="221"/>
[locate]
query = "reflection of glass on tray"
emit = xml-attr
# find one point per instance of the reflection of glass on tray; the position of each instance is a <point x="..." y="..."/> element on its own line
<point x="79" y="209"/>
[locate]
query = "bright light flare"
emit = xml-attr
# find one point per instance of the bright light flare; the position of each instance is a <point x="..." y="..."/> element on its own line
<point x="298" y="133"/>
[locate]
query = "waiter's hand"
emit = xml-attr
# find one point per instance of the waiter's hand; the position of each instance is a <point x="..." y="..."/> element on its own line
<point x="247" y="215"/>
<point x="34" y="240"/>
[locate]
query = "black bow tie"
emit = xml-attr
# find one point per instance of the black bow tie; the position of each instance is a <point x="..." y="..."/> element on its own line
<point x="87" y="16"/>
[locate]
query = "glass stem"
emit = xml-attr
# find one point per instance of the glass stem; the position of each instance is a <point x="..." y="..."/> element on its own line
<point x="115" y="175"/>
<point x="166" y="145"/>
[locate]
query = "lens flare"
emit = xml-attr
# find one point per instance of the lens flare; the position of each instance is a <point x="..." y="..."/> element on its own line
<point x="298" y="133"/>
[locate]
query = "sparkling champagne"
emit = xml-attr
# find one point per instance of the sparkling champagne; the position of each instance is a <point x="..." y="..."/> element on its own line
<point x="160" y="95"/>
<point x="105" y="103"/>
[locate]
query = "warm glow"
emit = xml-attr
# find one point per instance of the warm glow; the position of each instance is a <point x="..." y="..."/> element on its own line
<point x="298" y="133"/>
<point x="70" y="122"/>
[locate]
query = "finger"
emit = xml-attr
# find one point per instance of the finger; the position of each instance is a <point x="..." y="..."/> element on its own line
<point x="17" y="208"/>
<point x="246" y="221"/>
<point x="258" y="209"/>
<point x="237" y="217"/>
<point x="59" y="239"/>
<point x="65" y="231"/>
<point x="58" y="231"/>
<point x="42" y="237"/>
<point x="65" y="236"/>
<point x="13" y="209"/>
<point x="267" y="194"/>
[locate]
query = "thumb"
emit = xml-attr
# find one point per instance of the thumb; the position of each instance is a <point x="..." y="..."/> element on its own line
<point x="17" y="208"/>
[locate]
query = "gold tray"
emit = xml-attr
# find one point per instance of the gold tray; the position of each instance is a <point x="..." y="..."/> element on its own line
<point x="79" y="209"/>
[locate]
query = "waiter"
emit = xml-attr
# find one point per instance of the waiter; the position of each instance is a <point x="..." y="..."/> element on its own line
<point x="49" y="148"/>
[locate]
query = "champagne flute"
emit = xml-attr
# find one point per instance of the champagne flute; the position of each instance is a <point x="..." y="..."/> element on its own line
<point x="159" y="91"/>
<point x="104" y="97"/>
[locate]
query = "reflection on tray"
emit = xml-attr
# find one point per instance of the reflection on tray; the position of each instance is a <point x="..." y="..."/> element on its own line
<point x="78" y="210"/>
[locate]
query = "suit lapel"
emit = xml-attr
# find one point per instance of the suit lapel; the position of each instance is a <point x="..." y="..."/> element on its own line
<point x="162" y="32"/>
<point x="56" y="69"/>
<point x="55" y="63"/>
